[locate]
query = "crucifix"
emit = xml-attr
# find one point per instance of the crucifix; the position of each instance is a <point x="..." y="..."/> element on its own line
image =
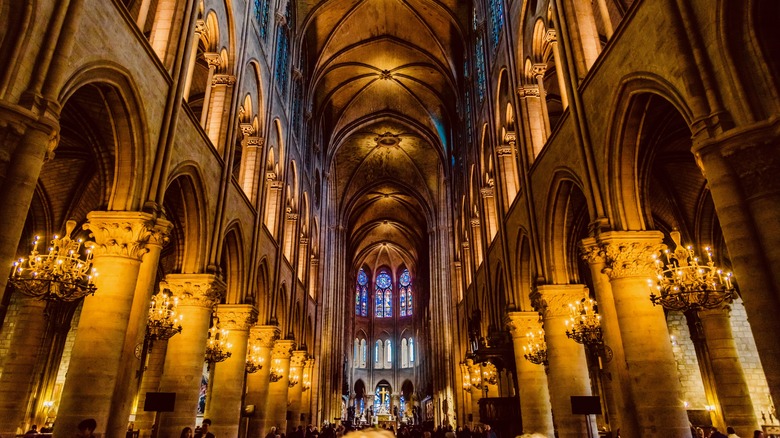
<point x="383" y="392"/>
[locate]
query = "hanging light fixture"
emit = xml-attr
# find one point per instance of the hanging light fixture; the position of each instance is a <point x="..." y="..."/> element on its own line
<point x="63" y="273"/>
<point x="164" y="322"/>
<point x="464" y="368"/>
<point x="535" y="350"/>
<point x="294" y="379"/>
<point x="684" y="283"/>
<point x="277" y="372"/>
<point x="489" y="373"/>
<point x="584" y="323"/>
<point x="217" y="348"/>
<point x="254" y="362"/>
<point x="306" y="378"/>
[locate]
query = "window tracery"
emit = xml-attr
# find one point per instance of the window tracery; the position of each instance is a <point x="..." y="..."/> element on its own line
<point x="383" y="295"/>
<point x="361" y="294"/>
<point x="405" y="294"/>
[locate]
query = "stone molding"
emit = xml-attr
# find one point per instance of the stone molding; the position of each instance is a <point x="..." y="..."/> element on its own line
<point x="504" y="150"/>
<point x="475" y="222"/>
<point x="120" y="233"/>
<point x="630" y="253"/>
<point x="591" y="252"/>
<point x="550" y="37"/>
<point x="283" y="349"/>
<point x="264" y="336"/>
<point x="511" y="138"/>
<point x="255" y="141"/>
<point x="198" y="290"/>
<point x="528" y="91"/>
<point x="486" y="192"/>
<point x="554" y="299"/>
<point x="161" y="232"/>
<point x="223" y="79"/>
<point x="298" y="359"/>
<point x="521" y="323"/>
<point x="247" y="129"/>
<point x="539" y="69"/>
<point x="212" y="59"/>
<point x="236" y="317"/>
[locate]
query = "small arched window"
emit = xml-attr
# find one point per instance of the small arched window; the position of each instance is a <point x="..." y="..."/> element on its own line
<point x="389" y="354"/>
<point x="411" y="351"/>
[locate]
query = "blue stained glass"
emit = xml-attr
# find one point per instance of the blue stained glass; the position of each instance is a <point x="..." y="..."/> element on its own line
<point x="496" y="20"/>
<point x="357" y="301"/>
<point x="362" y="278"/>
<point x="480" y="61"/>
<point x="388" y="304"/>
<point x="383" y="280"/>
<point x="409" y="302"/>
<point x="403" y="304"/>
<point x="364" y="302"/>
<point x="379" y="309"/>
<point x="405" y="279"/>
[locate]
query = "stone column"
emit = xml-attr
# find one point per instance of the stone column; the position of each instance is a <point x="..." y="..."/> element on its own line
<point x="228" y="384"/>
<point x="740" y="166"/>
<point x="616" y="382"/>
<point x="276" y="408"/>
<point x="532" y="119"/>
<point x="730" y="384"/>
<point x="535" y="408"/>
<point x="538" y="72"/>
<point x="150" y="382"/>
<point x="552" y="39"/>
<point x="568" y="366"/>
<point x="295" y="394"/>
<point x="213" y="60"/>
<point x="18" y="372"/>
<point x="307" y="391"/>
<point x="92" y="387"/>
<point x="200" y="29"/>
<point x="257" y="383"/>
<point x="197" y="294"/>
<point x="139" y="315"/>
<point x="654" y="381"/>
<point x="489" y="202"/>
<point x="219" y="103"/>
<point x="508" y="166"/>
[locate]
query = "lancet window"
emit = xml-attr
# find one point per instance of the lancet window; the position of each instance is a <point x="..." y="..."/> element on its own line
<point x="281" y="71"/>
<point x="261" y="16"/>
<point x="405" y="293"/>
<point x="384" y="295"/>
<point x="496" y="21"/>
<point x="361" y="294"/>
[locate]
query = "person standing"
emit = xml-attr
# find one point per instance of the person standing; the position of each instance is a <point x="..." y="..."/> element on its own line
<point x="204" y="430"/>
<point x="731" y="433"/>
<point x="86" y="428"/>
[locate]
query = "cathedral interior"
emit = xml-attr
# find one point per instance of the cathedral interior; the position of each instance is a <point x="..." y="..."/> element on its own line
<point x="548" y="216"/>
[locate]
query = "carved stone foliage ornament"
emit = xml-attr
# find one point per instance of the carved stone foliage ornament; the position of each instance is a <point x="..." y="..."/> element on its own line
<point x="522" y="323"/>
<point x="554" y="300"/>
<point x="283" y="349"/>
<point x="237" y="317"/>
<point x="265" y="336"/>
<point x="122" y="234"/>
<point x="200" y="290"/>
<point x="631" y="258"/>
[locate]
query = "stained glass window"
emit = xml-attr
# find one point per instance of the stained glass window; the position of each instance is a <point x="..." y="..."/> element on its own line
<point x="261" y="16"/>
<point x="384" y="295"/>
<point x="496" y="21"/>
<point x="480" y="66"/>
<point x="389" y="352"/>
<point x="361" y="294"/>
<point x="405" y="282"/>
<point x="281" y="71"/>
<point x="382" y="399"/>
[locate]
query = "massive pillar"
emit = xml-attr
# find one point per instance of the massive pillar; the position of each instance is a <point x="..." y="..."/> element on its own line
<point x="616" y="382"/>
<point x="294" y="398"/>
<point x="16" y="380"/>
<point x="568" y="365"/>
<point x="228" y="383"/>
<point x="535" y="408"/>
<point x="741" y="167"/>
<point x="150" y="382"/>
<point x="92" y="386"/>
<point x="654" y="381"/>
<point x="730" y="383"/>
<point x="183" y="370"/>
<point x="263" y="337"/>
<point x="276" y="410"/>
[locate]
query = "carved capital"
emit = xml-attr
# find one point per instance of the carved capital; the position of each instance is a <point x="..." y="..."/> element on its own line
<point x="276" y="184"/>
<point x="591" y="251"/>
<point x="291" y="216"/>
<point x="522" y="323"/>
<point x="199" y="290"/>
<point x="631" y="253"/>
<point x="486" y="192"/>
<point x="539" y="69"/>
<point x="247" y="129"/>
<point x="283" y="349"/>
<point x="303" y="241"/>
<point x="255" y="141"/>
<point x="200" y="27"/>
<point x="504" y="150"/>
<point x="223" y="79"/>
<point x="160" y="233"/>
<point x="528" y="91"/>
<point x="510" y="137"/>
<point x="465" y="245"/>
<point x="212" y="59"/>
<point x="280" y="17"/>
<point x="264" y="335"/>
<point x="550" y="36"/>
<point x="298" y="359"/>
<point x="554" y="299"/>
<point x="120" y="233"/>
<point x="475" y="222"/>
<point x="236" y="317"/>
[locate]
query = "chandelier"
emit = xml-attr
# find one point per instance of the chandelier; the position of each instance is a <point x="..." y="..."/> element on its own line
<point x="684" y="283"/>
<point x="294" y="379"/>
<point x="163" y="321"/>
<point x="277" y="372"/>
<point x="489" y="374"/>
<point x="306" y="380"/>
<point x="535" y="351"/>
<point x="60" y="274"/>
<point x="254" y="361"/>
<point x="584" y="323"/>
<point x="476" y="376"/>
<point x="217" y="348"/>
<point x="464" y="368"/>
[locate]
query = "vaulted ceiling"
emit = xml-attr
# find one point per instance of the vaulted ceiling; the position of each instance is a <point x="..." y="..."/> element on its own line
<point x="384" y="89"/>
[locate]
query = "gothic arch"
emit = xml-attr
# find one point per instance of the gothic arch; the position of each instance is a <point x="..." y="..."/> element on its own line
<point x="233" y="265"/>
<point x="622" y="158"/>
<point x="187" y="205"/>
<point x="109" y="96"/>
<point x="523" y="278"/>
<point x="262" y="296"/>
<point x="567" y="220"/>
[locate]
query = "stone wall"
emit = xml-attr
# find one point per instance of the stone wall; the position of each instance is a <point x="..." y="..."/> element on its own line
<point x="687" y="362"/>
<point x="751" y="364"/>
<point x="7" y="330"/>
